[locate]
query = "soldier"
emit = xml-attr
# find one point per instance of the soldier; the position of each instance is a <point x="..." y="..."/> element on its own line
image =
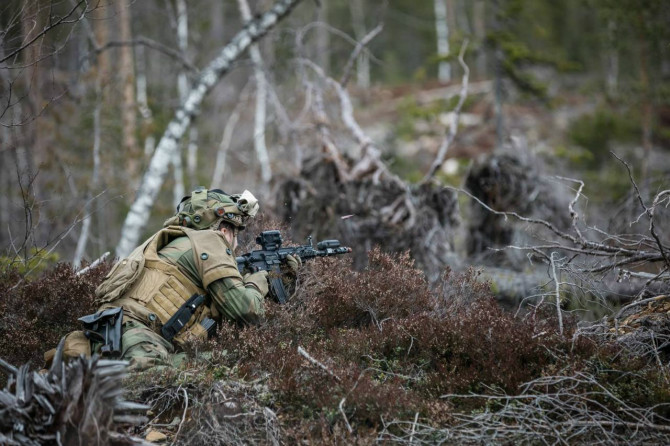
<point x="177" y="285"/>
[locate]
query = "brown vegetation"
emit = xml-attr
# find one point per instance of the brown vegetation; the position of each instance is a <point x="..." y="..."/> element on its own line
<point x="358" y="356"/>
<point x="35" y="314"/>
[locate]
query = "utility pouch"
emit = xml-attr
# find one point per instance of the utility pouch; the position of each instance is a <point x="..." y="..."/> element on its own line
<point x="209" y="325"/>
<point x="104" y="327"/>
<point x="181" y="317"/>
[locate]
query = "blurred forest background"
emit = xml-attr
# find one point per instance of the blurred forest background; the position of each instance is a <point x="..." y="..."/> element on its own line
<point x="87" y="89"/>
<point x="529" y="139"/>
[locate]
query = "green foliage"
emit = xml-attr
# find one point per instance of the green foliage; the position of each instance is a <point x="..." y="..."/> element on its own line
<point x="596" y="132"/>
<point x="37" y="261"/>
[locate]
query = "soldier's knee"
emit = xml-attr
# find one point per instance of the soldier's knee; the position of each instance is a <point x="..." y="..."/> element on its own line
<point x="143" y="348"/>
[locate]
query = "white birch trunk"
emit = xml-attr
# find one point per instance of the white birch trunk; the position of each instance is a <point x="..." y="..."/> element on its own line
<point x="192" y="147"/>
<point x="222" y="153"/>
<point x="182" y="88"/>
<point x="442" y="31"/>
<point x="88" y="217"/>
<point x="261" y="102"/>
<point x="178" y="191"/>
<point x="143" y="99"/>
<point x="363" y="62"/>
<point x="210" y="75"/>
<point x="192" y="157"/>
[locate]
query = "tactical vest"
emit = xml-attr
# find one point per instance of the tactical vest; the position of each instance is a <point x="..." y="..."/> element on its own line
<point x="151" y="290"/>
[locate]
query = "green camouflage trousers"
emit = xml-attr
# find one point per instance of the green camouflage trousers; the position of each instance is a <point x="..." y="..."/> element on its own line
<point x="144" y="348"/>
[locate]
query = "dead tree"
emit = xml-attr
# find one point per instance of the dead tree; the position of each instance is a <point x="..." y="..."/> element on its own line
<point x="79" y="402"/>
<point x="362" y="201"/>
<point x="583" y="259"/>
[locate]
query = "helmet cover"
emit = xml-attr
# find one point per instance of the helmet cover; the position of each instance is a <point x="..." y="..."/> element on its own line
<point x="205" y="209"/>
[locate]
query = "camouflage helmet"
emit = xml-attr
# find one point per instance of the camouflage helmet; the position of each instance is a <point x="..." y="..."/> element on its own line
<point x="205" y="209"/>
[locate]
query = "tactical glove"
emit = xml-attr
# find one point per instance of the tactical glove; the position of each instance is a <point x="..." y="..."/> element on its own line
<point x="258" y="280"/>
<point x="294" y="262"/>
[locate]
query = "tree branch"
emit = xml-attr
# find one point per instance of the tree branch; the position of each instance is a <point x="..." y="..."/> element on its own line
<point x="360" y="46"/>
<point x="456" y="114"/>
<point x="47" y="29"/>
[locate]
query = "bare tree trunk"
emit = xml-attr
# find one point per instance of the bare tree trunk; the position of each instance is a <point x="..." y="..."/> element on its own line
<point x="5" y="183"/>
<point x="363" y="62"/>
<point x="224" y="145"/>
<point x="261" y="104"/>
<point x="178" y="168"/>
<point x="210" y="75"/>
<point x="612" y="59"/>
<point x="88" y="217"/>
<point x="217" y="17"/>
<point x="323" y="38"/>
<point x="192" y="157"/>
<point x="647" y="114"/>
<point x="192" y="145"/>
<point x="143" y="101"/>
<point x="442" y="32"/>
<point x="479" y="14"/>
<point x="101" y="29"/>
<point x="129" y="104"/>
<point x="182" y="88"/>
<point x="31" y="24"/>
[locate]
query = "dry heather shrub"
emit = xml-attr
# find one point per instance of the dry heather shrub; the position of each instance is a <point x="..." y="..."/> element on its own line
<point x="389" y="288"/>
<point x="35" y="314"/>
<point x="391" y="344"/>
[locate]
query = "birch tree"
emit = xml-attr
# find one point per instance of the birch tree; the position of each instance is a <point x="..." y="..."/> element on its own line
<point x="261" y="103"/>
<point x="143" y="100"/>
<point x="363" y="63"/>
<point x="154" y="176"/>
<point x="182" y="88"/>
<point x="87" y="218"/>
<point x="442" y="32"/>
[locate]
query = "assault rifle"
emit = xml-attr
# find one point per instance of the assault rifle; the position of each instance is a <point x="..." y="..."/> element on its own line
<point x="272" y="255"/>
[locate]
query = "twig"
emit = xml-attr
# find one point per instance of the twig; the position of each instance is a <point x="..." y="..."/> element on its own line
<point x="317" y="363"/>
<point x="344" y="415"/>
<point x="150" y="43"/>
<point x="47" y="29"/>
<point x="571" y="207"/>
<point x="558" y="293"/>
<point x="94" y="264"/>
<point x="648" y="211"/>
<point x="658" y="358"/>
<point x="344" y="80"/>
<point x="456" y="114"/>
<point x="183" y="416"/>
<point x="411" y="435"/>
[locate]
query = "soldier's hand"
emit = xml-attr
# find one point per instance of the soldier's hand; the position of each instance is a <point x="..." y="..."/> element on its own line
<point x="294" y="262"/>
